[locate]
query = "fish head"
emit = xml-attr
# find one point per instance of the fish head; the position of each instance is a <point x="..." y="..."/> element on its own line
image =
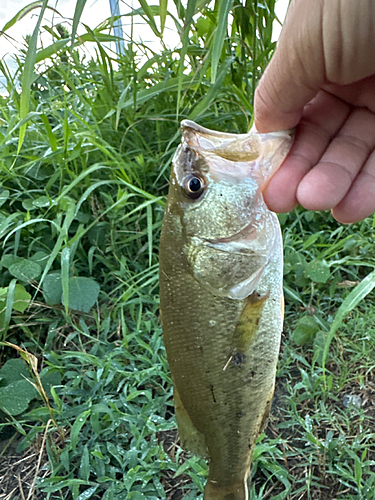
<point x="216" y="191"/>
<point x="219" y="178"/>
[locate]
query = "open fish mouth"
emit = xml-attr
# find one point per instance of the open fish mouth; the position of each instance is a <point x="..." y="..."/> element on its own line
<point x="237" y="157"/>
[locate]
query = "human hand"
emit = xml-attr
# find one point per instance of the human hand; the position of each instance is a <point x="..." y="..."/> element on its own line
<point x="322" y="80"/>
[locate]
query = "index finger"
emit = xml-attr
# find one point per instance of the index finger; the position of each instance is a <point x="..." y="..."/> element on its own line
<point x="296" y="71"/>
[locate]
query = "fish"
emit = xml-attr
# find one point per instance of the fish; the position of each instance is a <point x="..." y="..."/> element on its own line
<point x="221" y="296"/>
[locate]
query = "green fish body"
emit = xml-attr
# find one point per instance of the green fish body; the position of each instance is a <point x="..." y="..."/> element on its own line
<point x="221" y="296"/>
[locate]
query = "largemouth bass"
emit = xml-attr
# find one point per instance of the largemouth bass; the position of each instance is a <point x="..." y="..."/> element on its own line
<point x="221" y="296"/>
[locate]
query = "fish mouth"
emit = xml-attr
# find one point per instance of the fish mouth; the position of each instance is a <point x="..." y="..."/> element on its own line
<point x="238" y="156"/>
<point x="186" y="124"/>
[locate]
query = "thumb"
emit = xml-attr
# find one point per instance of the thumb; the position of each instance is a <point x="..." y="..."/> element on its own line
<point x="296" y="70"/>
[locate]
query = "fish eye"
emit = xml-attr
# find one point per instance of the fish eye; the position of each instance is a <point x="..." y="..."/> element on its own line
<point x="193" y="186"/>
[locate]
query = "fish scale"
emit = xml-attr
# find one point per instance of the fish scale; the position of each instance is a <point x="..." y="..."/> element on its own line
<point x="221" y="328"/>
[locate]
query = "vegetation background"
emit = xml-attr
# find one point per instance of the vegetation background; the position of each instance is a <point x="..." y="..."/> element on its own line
<point x="86" y="405"/>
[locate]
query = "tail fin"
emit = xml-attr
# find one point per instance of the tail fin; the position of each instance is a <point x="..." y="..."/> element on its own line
<point x="236" y="491"/>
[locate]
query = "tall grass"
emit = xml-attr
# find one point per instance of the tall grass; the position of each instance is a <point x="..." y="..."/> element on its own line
<point x="86" y="147"/>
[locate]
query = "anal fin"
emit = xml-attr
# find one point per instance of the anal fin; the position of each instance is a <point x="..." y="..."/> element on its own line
<point x="191" y="438"/>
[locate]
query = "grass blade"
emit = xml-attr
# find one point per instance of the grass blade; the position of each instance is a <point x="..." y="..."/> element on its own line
<point x="27" y="75"/>
<point x="65" y="260"/>
<point x="52" y="49"/>
<point x="190" y="10"/>
<point x="351" y="301"/>
<point x="219" y="36"/>
<point x="21" y="14"/>
<point x="77" y="426"/>
<point x="169" y="86"/>
<point x="9" y="304"/>
<point x="149" y="233"/>
<point x="77" y="16"/>
<point x="163" y="6"/>
<point x="212" y="91"/>
<point x="254" y="57"/>
<point x="150" y="16"/>
<point x="59" y="242"/>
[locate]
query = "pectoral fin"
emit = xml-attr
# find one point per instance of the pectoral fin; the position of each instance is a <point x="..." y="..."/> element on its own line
<point x="248" y="322"/>
<point x="191" y="438"/>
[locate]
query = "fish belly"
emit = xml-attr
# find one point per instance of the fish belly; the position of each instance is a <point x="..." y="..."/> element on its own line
<point x="222" y="354"/>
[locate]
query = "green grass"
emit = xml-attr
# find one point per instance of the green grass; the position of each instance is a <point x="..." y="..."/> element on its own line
<point x="85" y="155"/>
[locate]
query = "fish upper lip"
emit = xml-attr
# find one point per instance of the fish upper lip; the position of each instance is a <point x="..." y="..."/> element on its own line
<point x="203" y="130"/>
<point x="216" y="133"/>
